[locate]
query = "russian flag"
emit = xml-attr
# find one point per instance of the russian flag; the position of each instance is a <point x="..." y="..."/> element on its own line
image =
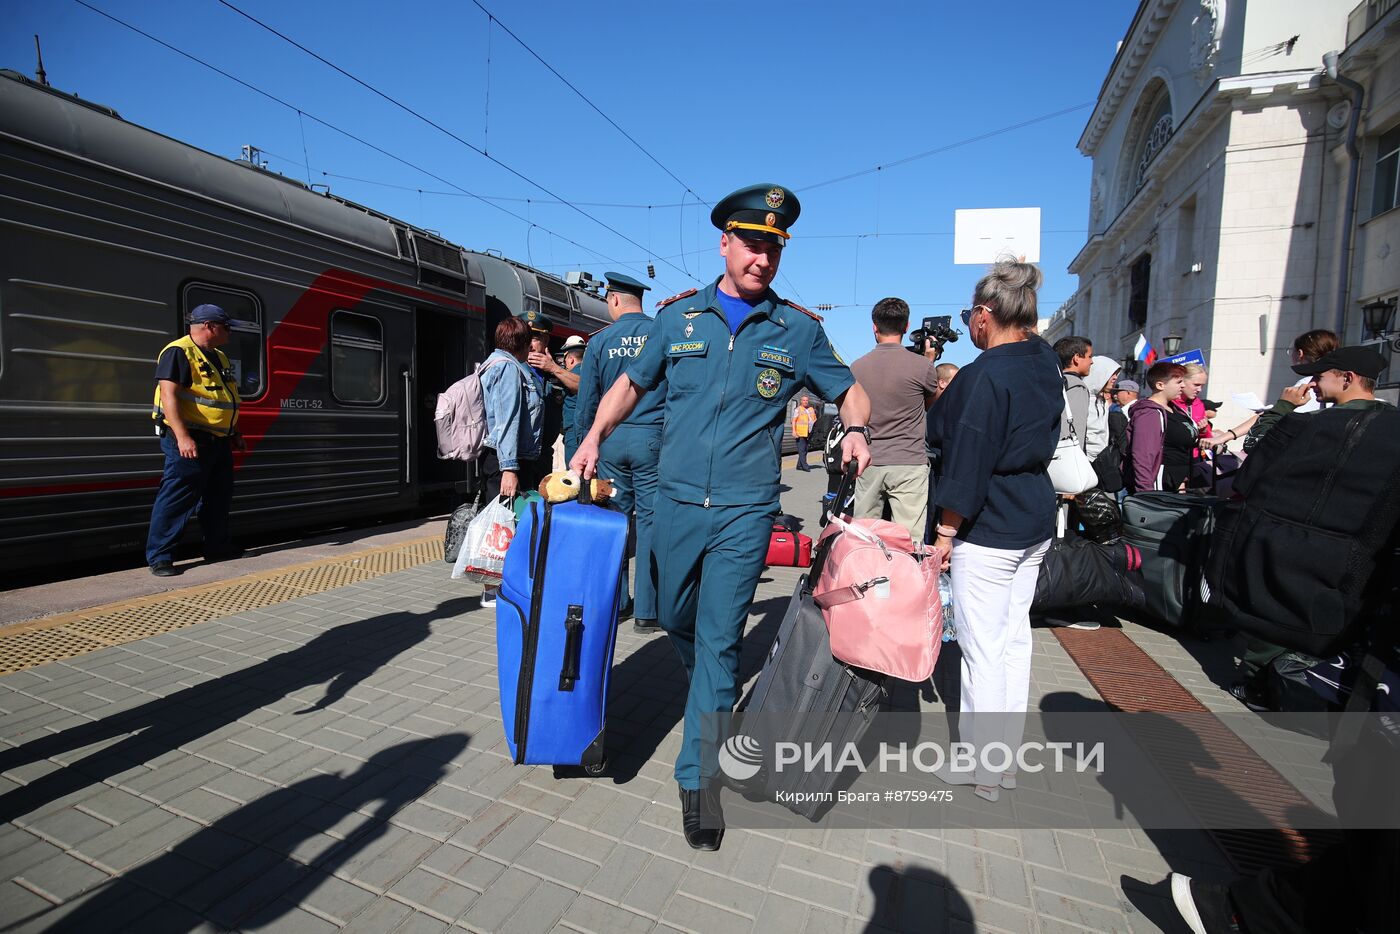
<point x="1144" y="352"/>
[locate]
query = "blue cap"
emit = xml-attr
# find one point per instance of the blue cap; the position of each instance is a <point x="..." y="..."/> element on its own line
<point x="204" y="314"/>
<point x="758" y="212"/>
<point x="617" y="282"/>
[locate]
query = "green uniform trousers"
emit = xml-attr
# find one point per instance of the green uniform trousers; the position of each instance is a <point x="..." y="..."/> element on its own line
<point x="708" y="561"/>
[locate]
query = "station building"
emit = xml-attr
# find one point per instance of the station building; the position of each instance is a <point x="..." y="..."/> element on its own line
<point x="1224" y="142"/>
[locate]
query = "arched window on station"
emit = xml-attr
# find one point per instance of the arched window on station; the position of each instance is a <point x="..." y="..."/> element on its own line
<point x="1154" y="130"/>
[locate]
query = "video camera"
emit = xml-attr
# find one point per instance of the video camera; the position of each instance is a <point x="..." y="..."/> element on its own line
<point x="934" y="333"/>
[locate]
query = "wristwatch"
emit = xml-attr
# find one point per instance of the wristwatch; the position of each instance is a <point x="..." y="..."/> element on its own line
<point x="858" y="429"/>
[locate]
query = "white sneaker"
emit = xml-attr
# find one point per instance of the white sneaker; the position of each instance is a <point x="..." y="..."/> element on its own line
<point x="947" y="775"/>
<point x="488" y="599"/>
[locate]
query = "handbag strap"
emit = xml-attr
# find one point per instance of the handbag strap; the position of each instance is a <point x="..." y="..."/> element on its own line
<point x="1069" y="413"/>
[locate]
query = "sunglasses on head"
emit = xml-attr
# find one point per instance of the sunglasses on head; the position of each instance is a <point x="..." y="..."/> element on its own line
<point x="967" y="313"/>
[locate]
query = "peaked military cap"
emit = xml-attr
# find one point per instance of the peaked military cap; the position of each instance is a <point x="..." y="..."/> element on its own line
<point x="617" y="282"/>
<point x="537" y="320"/>
<point x="758" y="212"/>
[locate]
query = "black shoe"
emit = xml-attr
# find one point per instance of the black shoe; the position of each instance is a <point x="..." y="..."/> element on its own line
<point x="625" y="611"/>
<point x="231" y="553"/>
<point x="645" y="626"/>
<point x="1205" y="908"/>
<point x="165" y="569"/>
<point x="1250" y="696"/>
<point x="702" y="820"/>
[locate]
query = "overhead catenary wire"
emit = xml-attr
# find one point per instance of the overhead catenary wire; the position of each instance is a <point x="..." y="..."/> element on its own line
<point x="584" y="97"/>
<point x="331" y="126"/>
<point x="435" y="125"/>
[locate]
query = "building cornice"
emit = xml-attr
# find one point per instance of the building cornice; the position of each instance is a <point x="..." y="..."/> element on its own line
<point x="1218" y="100"/>
<point x="1147" y="25"/>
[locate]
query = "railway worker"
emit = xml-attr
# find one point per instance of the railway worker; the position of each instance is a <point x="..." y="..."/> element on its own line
<point x="630" y="456"/>
<point x="732" y="355"/>
<point x="554" y="382"/>
<point x="196" y="416"/>
<point x="574" y="348"/>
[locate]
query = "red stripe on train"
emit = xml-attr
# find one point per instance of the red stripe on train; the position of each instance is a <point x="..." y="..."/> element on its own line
<point x="297" y="340"/>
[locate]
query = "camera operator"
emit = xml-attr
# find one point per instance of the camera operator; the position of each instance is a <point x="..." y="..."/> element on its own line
<point x="901" y="389"/>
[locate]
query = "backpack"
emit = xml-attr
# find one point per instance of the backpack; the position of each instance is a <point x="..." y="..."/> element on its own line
<point x="1293" y="562"/>
<point x="460" y="417"/>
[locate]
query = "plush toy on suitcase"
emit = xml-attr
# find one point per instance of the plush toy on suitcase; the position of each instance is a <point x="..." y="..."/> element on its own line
<point x="556" y="627"/>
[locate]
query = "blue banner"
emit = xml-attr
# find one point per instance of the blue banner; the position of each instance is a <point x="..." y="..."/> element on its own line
<point x="1189" y="356"/>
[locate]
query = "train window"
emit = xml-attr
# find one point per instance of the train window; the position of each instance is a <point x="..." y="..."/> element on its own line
<point x="357" y="358"/>
<point x="245" y="346"/>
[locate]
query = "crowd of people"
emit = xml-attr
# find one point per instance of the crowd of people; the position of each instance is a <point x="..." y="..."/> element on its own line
<point x="684" y="412"/>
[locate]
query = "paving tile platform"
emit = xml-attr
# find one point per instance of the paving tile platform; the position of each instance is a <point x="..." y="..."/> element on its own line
<point x="336" y="762"/>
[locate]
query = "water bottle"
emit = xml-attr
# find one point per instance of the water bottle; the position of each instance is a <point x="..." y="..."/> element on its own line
<point x="945" y="596"/>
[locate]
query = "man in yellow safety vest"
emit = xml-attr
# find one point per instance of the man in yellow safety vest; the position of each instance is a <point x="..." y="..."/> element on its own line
<point x="196" y="416"/>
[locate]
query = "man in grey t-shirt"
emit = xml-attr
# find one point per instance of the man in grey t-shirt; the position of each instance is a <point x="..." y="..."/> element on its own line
<point x="901" y="386"/>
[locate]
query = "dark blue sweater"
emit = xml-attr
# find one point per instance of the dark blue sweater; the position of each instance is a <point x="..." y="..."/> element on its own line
<point x="997" y="424"/>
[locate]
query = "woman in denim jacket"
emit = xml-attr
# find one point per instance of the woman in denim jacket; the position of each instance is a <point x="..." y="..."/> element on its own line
<point x="514" y="414"/>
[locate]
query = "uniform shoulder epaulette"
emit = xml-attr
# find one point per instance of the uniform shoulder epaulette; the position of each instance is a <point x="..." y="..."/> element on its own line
<point x="811" y="314"/>
<point x="675" y="298"/>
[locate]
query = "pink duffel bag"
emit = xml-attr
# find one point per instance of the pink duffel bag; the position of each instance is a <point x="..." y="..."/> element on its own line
<point x="879" y="594"/>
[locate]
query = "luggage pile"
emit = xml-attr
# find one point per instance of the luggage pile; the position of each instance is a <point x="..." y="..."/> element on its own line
<point x="869" y="609"/>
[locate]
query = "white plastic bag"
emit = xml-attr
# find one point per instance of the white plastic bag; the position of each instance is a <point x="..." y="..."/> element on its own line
<point x="483" y="554"/>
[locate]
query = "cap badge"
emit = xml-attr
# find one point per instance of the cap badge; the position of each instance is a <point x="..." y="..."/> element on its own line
<point x="775" y="198"/>
<point x="771" y="219"/>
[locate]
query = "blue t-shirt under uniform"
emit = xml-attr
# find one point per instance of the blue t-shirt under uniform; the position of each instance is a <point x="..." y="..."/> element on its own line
<point x="735" y="309"/>
<point x="997" y="425"/>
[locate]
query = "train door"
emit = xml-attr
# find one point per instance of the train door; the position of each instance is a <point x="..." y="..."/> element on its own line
<point x="441" y="357"/>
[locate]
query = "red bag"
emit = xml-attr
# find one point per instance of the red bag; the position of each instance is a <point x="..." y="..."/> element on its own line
<point x="788" y="549"/>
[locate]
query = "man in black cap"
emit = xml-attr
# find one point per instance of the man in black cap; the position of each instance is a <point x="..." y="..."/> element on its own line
<point x="731" y="355"/>
<point x="631" y="454"/>
<point x="196" y="416"/>
<point x="1346" y="377"/>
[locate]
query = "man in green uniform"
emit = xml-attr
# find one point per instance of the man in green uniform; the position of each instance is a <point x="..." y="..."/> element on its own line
<point x="574" y="349"/>
<point x="555" y="383"/>
<point x="732" y="355"/>
<point x="631" y="454"/>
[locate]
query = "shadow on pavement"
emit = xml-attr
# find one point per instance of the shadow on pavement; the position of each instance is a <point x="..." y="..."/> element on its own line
<point x="344" y="656"/>
<point x="914" y="898"/>
<point x="253" y="880"/>
<point x="646" y="696"/>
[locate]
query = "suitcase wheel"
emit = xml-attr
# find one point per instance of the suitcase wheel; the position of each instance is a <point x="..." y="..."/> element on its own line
<point x="597" y="768"/>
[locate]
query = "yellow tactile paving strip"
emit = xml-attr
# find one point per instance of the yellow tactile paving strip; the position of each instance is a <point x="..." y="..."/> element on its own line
<point x="57" y="637"/>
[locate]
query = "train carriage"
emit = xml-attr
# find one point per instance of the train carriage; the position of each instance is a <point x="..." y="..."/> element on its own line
<point x="348" y="324"/>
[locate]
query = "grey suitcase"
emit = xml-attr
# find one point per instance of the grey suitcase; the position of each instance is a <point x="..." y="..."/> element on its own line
<point x="804" y="695"/>
<point x="1172" y="530"/>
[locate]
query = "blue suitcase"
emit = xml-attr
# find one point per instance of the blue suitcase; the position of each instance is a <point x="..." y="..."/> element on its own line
<point x="556" y="625"/>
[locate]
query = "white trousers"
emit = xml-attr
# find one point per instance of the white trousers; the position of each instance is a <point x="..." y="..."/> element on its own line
<point x="992" y="593"/>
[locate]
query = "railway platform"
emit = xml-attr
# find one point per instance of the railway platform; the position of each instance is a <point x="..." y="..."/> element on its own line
<point x="308" y="740"/>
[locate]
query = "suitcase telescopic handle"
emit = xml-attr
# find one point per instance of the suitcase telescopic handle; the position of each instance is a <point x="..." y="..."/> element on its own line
<point x="845" y="504"/>
<point x="845" y="492"/>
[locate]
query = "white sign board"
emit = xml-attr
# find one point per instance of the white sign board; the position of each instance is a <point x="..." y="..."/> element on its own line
<point x="985" y="235"/>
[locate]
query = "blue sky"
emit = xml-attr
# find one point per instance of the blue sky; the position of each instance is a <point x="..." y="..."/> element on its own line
<point x="722" y="94"/>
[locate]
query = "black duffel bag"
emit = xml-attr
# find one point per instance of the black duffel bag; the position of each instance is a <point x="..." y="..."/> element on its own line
<point x="1077" y="573"/>
<point x="1293" y="561"/>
